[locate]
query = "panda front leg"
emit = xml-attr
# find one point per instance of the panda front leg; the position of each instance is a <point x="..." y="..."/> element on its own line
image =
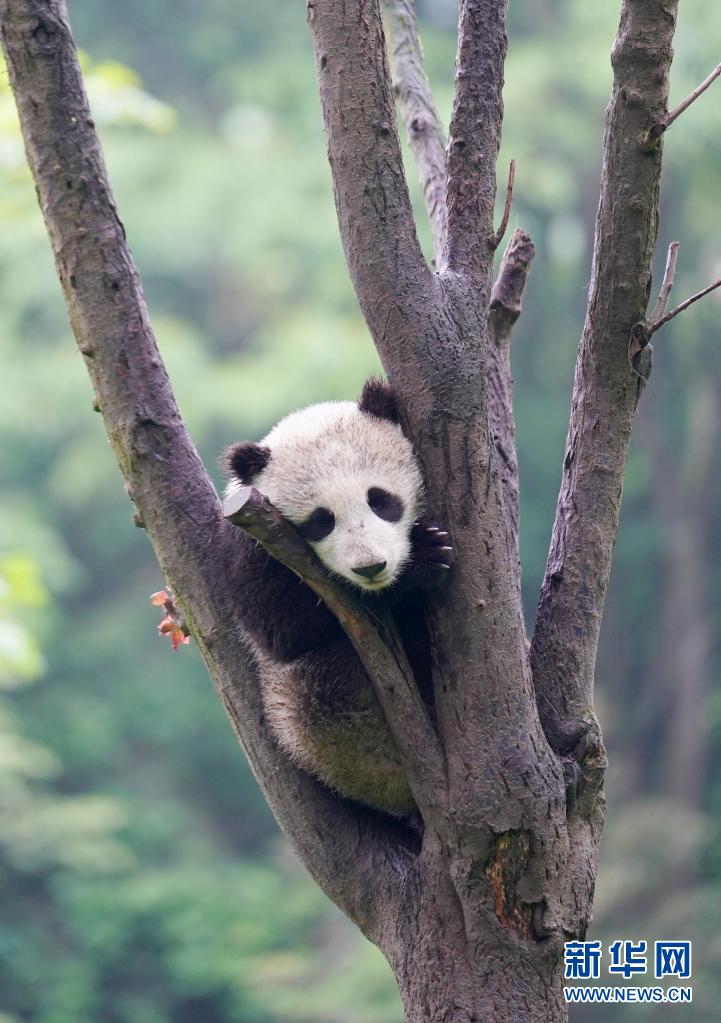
<point x="280" y="613"/>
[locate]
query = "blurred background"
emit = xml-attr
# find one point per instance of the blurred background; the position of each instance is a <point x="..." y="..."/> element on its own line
<point x="142" y="878"/>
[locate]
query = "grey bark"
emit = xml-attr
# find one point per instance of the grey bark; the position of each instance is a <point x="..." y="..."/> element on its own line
<point x="472" y="907"/>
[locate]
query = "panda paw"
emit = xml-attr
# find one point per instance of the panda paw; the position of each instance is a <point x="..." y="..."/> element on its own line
<point x="432" y="554"/>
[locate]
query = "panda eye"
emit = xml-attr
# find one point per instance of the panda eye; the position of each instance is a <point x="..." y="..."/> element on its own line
<point x="386" y="506"/>
<point x="318" y="525"/>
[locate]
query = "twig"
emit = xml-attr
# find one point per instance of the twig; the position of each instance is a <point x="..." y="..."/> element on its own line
<point x="684" y="305"/>
<point x="420" y="115"/>
<point x="667" y="284"/>
<point x="644" y="331"/>
<point x="664" y="123"/>
<point x="371" y="631"/>
<point x="498" y="236"/>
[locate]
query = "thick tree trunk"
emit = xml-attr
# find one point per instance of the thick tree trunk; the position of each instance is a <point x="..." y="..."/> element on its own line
<point x="470" y="957"/>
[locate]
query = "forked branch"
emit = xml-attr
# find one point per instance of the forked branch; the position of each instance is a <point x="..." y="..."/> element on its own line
<point x="420" y="115"/>
<point x="644" y="330"/>
<point x="372" y="633"/>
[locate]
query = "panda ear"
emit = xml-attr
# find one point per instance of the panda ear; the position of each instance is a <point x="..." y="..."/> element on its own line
<point x="246" y="460"/>
<point x="377" y="399"/>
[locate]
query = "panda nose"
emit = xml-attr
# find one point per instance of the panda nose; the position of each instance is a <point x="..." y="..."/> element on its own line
<point x="370" y="571"/>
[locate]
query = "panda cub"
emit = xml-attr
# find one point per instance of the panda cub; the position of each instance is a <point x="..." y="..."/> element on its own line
<point x="345" y="475"/>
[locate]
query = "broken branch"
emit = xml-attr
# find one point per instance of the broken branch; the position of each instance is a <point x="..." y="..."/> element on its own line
<point x="667" y="283"/>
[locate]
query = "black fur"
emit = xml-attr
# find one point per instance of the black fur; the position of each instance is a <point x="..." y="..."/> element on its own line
<point x="279" y="611"/>
<point x="377" y="399"/>
<point x="246" y="460"/>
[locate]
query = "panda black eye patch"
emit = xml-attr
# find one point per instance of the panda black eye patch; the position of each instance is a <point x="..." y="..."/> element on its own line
<point x="318" y="525"/>
<point x="386" y="506"/>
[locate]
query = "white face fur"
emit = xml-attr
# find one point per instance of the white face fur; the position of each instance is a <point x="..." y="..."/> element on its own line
<point x="350" y="482"/>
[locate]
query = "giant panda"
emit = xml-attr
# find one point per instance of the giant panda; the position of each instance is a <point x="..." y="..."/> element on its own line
<point x="346" y="476"/>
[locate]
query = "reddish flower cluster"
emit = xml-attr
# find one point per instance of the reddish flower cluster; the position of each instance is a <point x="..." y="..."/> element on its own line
<point x="171" y="624"/>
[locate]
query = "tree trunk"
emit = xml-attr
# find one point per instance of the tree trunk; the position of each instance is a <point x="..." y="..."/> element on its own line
<point x="472" y="902"/>
<point x="474" y="957"/>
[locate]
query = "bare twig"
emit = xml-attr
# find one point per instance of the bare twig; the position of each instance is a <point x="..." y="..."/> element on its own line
<point x="684" y="305"/>
<point x="420" y="115"/>
<point x="498" y="236"/>
<point x="664" y="123"/>
<point x="667" y="284"/>
<point x="371" y="631"/>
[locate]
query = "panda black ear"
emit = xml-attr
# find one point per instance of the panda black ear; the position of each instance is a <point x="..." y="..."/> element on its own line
<point x="377" y="399"/>
<point x="246" y="460"/>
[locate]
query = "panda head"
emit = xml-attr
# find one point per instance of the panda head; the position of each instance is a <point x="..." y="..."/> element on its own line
<point x="345" y="475"/>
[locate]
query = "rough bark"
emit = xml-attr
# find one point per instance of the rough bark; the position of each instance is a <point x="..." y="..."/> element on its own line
<point x="472" y="905"/>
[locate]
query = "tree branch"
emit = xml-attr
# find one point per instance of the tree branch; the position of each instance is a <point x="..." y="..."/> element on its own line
<point x="372" y="633"/>
<point x="359" y="860"/>
<point x="376" y="223"/>
<point x="506" y="299"/>
<point x="420" y="116"/>
<point x="475" y="133"/>
<point x="664" y="123"/>
<point x="684" y="305"/>
<point x="606" y="389"/>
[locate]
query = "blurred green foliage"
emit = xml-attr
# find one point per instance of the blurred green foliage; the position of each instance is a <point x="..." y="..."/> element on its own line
<point x="141" y="876"/>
